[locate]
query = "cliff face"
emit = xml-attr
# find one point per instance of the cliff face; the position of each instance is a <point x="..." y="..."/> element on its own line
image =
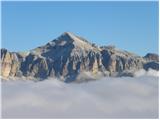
<point x="69" y="55"/>
<point x="9" y="63"/>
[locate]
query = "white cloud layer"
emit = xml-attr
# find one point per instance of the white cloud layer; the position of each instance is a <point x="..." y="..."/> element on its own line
<point x="122" y="97"/>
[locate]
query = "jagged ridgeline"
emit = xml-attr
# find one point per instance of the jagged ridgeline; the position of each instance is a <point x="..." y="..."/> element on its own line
<point x="69" y="55"/>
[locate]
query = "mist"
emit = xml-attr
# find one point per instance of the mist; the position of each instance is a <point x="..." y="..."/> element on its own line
<point x="107" y="97"/>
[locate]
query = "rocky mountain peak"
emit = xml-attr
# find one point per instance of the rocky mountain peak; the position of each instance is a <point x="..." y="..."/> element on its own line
<point x="69" y="55"/>
<point x="72" y="38"/>
<point x="67" y="39"/>
<point x="67" y="36"/>
<point x="70" y="34"/>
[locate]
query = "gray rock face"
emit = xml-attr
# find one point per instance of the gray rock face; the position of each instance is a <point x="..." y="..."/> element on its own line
<point x="68" y="56"/>
<point x="10" y="63"/>
<point x="118" y="61"/>
<point x="152" y="57"/>
<point x="152" y="65"/>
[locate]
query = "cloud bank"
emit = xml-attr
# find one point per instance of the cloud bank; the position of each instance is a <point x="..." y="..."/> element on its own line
<point x="123" y="97"/>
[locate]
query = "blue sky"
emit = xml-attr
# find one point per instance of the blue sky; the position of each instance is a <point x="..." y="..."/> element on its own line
<point x="131" y="26"/>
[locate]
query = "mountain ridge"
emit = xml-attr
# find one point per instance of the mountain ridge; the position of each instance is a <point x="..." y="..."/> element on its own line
<point x="69" y="55"/>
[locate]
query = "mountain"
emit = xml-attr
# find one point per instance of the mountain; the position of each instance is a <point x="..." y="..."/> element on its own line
<point x="69" y="55"/>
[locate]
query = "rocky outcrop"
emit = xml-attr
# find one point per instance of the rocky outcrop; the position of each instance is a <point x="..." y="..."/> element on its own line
<point x="117" y="61"/>
<point x="151" y="65"/>
<point x="68" y="56"/>
<point x="152" y="61"/>
<point x="10" y="63"/>
<point x="152" y="57"/>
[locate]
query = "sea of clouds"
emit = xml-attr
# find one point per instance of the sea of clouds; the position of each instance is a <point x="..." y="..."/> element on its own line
<point x="121" y="97"/>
